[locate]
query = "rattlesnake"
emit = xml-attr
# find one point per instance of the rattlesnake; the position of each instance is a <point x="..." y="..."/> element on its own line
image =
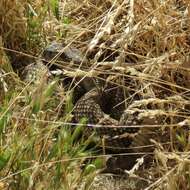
<point x="101" y="104"/>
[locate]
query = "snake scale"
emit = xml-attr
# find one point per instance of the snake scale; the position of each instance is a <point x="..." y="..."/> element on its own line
<point x="91" y="106"/>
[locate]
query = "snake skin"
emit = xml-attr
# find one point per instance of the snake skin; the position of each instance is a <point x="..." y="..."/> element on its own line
<point x="115" y="136"/>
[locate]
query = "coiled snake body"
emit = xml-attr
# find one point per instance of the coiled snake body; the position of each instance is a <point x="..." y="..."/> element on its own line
<point x="91" y="106"/>
<point x="104" y="108"/>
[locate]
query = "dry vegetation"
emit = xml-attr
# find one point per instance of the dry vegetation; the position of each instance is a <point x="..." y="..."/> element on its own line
<point x="145" y="42"/>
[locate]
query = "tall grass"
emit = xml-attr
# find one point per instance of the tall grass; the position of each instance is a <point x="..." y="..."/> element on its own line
<point x="38" y="150"/>
<point x="142" y="45"/>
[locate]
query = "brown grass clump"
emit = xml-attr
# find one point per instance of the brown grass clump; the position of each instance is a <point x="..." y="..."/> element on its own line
<point x="13" y="24"/>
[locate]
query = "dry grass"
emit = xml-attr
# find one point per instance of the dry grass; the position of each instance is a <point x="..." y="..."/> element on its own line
<point x="141" y="45"/>
<point x="13" y="24"/>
